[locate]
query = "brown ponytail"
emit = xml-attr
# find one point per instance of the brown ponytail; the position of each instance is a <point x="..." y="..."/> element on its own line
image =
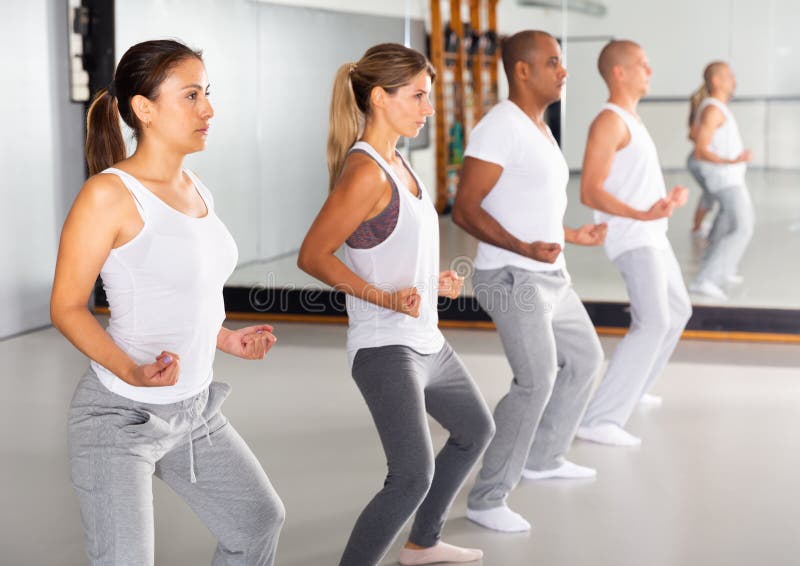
<point x="104" y="143"/>
<point x="389" y="66"/>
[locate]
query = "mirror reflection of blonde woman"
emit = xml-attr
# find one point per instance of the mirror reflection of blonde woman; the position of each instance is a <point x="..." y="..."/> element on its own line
<point x="721" y="162"/>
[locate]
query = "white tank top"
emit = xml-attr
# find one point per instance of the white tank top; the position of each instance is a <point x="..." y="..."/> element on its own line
<point x="727" y="143"/>
<point x="408" y="257"/>
<point x="164" y="290"/>
<point x="635" y="179"/>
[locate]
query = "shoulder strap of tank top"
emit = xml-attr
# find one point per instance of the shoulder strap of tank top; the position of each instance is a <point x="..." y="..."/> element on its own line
<point x="413" y="173"/>
<point x="364" y="147"/>
<point x="205" y="194"/>
<point x="711" y="101"/>
<point x="130" y="183"/>
<point x="629" y="120"/>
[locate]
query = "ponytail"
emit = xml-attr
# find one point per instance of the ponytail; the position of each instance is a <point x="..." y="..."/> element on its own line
<point x="104" y="143"/>
<point x="696" y="98"/>
<point x="345" y="122"/>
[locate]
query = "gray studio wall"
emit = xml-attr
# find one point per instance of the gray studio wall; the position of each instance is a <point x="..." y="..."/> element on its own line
<point x="271" y="69"/>
<point x="759" y="38"/>
<point x="41" y="163"/>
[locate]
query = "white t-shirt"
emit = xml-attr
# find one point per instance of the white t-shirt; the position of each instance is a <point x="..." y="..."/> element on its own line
<point x="636" y="179"/>
<point x="530" y="197"/>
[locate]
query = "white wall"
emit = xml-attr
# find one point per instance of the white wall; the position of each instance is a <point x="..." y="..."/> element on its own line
<point x="40" y="159"/>
<point x="680" y="37"/>
<point x="230" y="165"/>
<point x="271" y="68"/>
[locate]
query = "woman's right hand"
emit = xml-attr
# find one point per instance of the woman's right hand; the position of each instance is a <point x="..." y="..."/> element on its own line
<point x="406" y="301"/>
<point x="162" y="373"/>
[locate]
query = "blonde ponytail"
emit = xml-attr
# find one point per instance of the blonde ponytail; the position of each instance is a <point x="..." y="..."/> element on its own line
<point x="345" y="122"/>
<point x="694" y="101"/>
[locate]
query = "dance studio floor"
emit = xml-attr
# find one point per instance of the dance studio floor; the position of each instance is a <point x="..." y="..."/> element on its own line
<point x="715" y="482"/>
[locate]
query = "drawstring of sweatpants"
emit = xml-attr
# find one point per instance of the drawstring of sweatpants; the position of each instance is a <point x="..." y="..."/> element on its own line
<point x="192" y="474"/>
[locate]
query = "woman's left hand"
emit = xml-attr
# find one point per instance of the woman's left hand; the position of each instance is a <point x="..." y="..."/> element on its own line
<point x="450" y="284"/>
<point x="250" y="343"/>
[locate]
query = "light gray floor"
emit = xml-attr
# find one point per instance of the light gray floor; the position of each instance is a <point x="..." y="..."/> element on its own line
<point x="715" y="482"/>
<point x="772" y="277"/>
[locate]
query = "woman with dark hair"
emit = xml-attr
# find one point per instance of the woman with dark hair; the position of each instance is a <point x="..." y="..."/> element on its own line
<point x="380" y="211"/>
<point x="147" y="405"/>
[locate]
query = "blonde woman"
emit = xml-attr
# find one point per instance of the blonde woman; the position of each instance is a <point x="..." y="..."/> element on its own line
<point x="722" y="162"/>
<point x="380" y="212"/>
<point x="700" y="228"/>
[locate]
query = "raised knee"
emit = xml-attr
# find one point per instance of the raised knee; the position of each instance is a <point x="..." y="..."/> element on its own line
<point x="594" y="358"/>
<point x="685" y="314"/>
<point x="271" y="513"/>
<point x="415" y="485"/>
<point x="485" y="431"/>
<point x="656" y="327"/>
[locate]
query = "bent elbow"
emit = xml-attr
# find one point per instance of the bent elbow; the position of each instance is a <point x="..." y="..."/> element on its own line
<point x="306" y="260"/>
<point x="459" y="218"/>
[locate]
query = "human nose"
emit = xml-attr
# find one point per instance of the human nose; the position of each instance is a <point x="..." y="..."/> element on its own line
<point x="207" y="111"/>
<point x="429" y="109"/>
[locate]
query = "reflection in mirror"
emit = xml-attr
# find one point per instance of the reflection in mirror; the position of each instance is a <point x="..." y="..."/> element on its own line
<point x="766" y="97"/>
<point x="272" y="67"/>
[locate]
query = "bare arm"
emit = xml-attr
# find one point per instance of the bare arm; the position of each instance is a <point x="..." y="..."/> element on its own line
<point x="478" y="177"/>
<point x="607" y="135"/>
<point x="711" y="120"/>
<point x="354" y="199"/>
<point x="102" y="217"/>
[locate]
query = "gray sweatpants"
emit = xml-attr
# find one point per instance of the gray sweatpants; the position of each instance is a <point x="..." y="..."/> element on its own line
<point x="554" y="354"/>
<point x="660" y="309"/>
<point x="116" y="445"/>
<point x="399" y="386"/>
<point x="730" y="235"/>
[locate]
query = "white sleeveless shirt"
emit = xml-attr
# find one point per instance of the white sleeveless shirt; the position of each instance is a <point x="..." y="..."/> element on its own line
<point x="408" y="257"/>
<point x="164" y="290"/>
<point x="636" y="179"/>
<point x="727" y="143"/>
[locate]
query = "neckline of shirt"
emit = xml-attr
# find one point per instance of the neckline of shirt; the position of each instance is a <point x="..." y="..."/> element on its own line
<point x="167" y="206"/>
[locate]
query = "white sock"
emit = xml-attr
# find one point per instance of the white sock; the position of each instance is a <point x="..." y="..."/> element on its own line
<point x="567" y="470"/>
<point x="608" y="433"/>
<point x="649" y="400"/>
<point x="440" y="552"/>
<point x="499" y="519"/>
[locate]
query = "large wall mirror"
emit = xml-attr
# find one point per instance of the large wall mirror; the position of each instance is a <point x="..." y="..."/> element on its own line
<point x="271" y="66"/>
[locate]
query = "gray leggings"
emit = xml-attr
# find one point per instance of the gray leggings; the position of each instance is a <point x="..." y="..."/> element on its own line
<point x="116" y="445"/>
<point x="399" y="386"/>
<point x="707" y="198"/>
